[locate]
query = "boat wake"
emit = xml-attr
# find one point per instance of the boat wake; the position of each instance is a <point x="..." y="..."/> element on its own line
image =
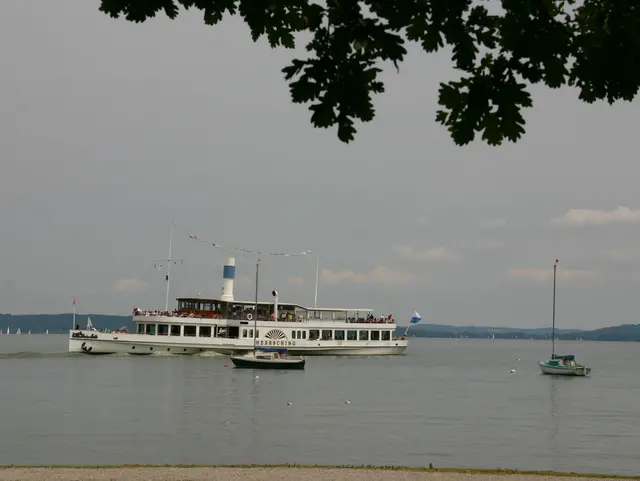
<point x="34" y="355"/>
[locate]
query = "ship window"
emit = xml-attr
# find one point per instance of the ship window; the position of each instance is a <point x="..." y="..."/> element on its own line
<point x="294" y="334"/>
<point x="327" y="335"/>
<point x="375" y="335"/>
<point x="304" y="334"/>
<point x="314" y="334"/>
<point x="190" y="331"/>
<point x="339" y="335"/>
<point x="207" y="307"/>
<point x="386" y="335"/>
<point x="251" y="333"/>
<point x="151" y="329"/>
<point x="352" y="335"/>
<point x="163" y="329"/>
<point x="140" y="328"/>
<point x="205" y="331"/>
<point x="244" y="333"/>
<point x="363" y="335"/>
<point x="175" y="330"/>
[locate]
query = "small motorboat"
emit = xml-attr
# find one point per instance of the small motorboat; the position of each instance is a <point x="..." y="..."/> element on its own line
<point x="268" y="358"/>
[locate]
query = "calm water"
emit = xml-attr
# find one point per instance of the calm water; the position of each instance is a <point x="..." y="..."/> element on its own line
<point x="452" y="403"/>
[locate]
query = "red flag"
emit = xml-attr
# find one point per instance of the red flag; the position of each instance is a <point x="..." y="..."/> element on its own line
<point x="74" y="300"/>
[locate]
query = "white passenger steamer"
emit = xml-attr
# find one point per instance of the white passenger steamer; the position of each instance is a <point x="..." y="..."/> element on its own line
<point x="226" y="326"/>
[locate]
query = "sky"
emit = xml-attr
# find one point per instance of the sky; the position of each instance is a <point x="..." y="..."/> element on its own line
<point x="109" y="131"/>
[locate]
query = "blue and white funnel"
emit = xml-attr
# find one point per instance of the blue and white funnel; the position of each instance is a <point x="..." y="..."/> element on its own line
<point x="228" y="275"/>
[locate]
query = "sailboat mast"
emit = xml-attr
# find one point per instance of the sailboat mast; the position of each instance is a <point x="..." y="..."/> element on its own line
<point x="553" y="328"/>
<point x="315" y="298"/>
<point x="255" y="317"/>
<point x="166" y="301"/>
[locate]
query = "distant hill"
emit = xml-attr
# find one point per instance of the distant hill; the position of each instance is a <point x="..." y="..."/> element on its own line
<point x="59" y="323"/>
<point x="625" y="332"/>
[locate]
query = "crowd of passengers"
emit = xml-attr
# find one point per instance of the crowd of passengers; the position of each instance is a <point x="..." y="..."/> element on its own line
<point x="239" y="312"/>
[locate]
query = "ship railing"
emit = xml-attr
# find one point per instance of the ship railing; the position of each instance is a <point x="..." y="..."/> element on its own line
<point x="249" y="316"/>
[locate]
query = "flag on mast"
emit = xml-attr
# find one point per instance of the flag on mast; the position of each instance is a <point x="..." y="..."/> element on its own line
<point x="416" y="318"/>
<point x="74" y="300"/>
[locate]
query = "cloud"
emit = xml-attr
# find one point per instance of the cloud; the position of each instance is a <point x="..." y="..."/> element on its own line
<point x="432" y="254"/>
<point x="545" y="275"/>
<point x="129" y="285"/>
<point x="243" y="281"/>
<point x="296" y="281"/>
<point x="487" y="245"/>
<point x="493" y="223"/>
<point x="380" y="275"/>
<point x="590" y="217"/>
<point x="621" y="256"/>
<point x="422" y="221"/>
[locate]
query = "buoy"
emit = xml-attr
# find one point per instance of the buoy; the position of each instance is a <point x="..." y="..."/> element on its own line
<point x="257" y="377"/>
<point x="346" y="401"/>
<point x="289" y="403"/>
<point x="512" y="371"/>
<point x="226" y="365"/>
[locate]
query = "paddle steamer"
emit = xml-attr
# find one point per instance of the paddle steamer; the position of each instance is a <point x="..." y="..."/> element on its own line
<point x="226" y="326"/>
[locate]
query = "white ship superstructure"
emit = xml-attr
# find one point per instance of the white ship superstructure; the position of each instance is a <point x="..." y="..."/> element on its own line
<point x="225" y="326"/>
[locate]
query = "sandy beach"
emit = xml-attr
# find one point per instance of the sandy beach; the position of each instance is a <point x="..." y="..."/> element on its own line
<point x="259" y="473"/>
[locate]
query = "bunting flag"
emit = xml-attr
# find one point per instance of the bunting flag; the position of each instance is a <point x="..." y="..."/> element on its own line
<point x="247" y="251"/>
<point x="158" y="265"/>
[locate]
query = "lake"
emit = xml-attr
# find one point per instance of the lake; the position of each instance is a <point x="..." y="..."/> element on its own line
<point x="450" y="402"/>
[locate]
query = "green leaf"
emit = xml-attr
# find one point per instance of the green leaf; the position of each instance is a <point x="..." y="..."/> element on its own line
<point x="593" y="45"/>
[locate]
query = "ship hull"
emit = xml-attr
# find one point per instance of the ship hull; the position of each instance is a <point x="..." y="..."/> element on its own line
<point x="139" y="344"/>
<point x="243" y="362"/>
<point x="565" y="370"/>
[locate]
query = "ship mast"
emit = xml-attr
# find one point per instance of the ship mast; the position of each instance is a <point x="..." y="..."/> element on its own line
<point x="553" y="328"/>
<point x="169" y="260"/>
<point x="315" y="298"/>
<point x="255" y="317"/>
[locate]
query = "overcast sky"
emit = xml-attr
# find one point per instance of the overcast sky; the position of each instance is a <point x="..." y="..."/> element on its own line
<point x="109" y="130"/>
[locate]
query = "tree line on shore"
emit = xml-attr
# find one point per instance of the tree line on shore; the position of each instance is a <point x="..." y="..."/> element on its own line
<point x="60" y="323"/>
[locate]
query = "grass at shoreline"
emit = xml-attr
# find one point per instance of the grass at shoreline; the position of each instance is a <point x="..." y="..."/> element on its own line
<point x="315" y="466"/>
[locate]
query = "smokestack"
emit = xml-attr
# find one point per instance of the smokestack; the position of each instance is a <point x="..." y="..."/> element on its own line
<point x="275" y="304"/>
<point x="228" y="274"/>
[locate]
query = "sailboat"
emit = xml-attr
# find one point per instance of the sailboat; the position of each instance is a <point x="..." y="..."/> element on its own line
<point x="561" y="364"/>
<point x="266" y="357"/>
<point x="18" y="331"/>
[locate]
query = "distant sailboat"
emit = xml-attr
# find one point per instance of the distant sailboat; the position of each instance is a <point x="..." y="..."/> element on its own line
<point x="29" y="331"/>
<point x="8" y="330"/>
<point x="47" y="331"/>
<point x="89" y="323"/>
<point x="18" y="331"/>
